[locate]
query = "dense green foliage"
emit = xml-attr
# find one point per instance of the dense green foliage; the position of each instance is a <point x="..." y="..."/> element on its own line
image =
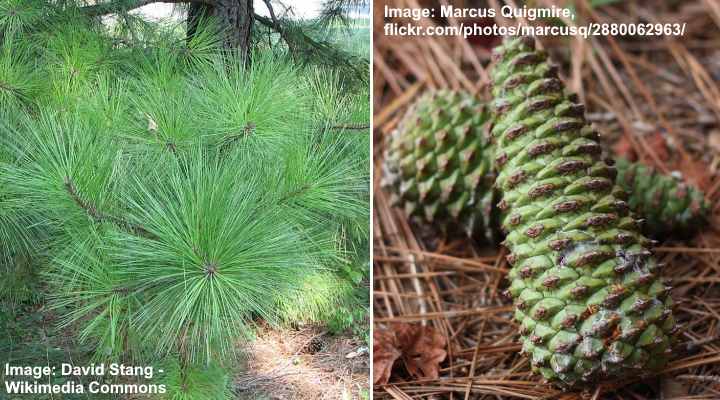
<point x="159" y="196"/>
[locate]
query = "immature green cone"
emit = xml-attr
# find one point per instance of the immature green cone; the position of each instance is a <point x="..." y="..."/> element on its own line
<point x="588" y="299"/>
<point x="436" y="166"/>
<point x="415" y="160"/>
<point x="668" y="205"/>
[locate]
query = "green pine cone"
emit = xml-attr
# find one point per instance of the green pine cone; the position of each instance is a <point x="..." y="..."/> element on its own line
<point x="414" y="157"/>
<point x="588" y="299"/>
<point x="668" y="204"/>
<point x="436" y="166"/>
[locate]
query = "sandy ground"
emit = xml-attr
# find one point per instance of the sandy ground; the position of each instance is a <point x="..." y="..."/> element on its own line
<point x="306" y="363"/>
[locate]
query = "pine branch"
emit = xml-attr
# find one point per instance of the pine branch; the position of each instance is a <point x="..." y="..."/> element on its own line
<point x="87" y="206"/>
<point x="338" y="11"/>
<point x="277" y="26"/>
<point x="125" y="6"/>
<point x="265" y="21"/>
<point x="312" y="46"/>
<point x="99" y="216"/>
<point x="8" y="88"/>
<point x="352" y="127"/>
<point x="295" y="193"/>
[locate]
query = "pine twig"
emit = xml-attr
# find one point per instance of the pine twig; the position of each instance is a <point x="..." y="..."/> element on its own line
<point x="312" y="46"/>
<point x="295" y="193"/>
<point x="8" y="88"/>
<point x="99" y="216"/>
<point x="278" y="27"/>
<point x="357" y="127"/>
<point x="91" y="210"/>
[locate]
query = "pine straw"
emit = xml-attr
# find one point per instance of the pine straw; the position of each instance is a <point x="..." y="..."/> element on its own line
<point x="633" y="89"/>
<point x="303" y="363"/>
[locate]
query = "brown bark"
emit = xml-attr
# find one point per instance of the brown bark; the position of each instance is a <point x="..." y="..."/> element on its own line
<point x="234" y="18"/>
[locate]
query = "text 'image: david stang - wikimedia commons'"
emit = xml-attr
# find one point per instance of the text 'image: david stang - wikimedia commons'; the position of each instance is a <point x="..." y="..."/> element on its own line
<point x="90" y="379"/>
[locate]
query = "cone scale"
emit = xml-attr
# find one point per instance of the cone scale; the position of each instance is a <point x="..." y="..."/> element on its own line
<point x="588" y="299"/>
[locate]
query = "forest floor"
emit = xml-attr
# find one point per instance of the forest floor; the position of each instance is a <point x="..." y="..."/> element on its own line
<point x="304" y="363"/>
<point x="281" y="364"/>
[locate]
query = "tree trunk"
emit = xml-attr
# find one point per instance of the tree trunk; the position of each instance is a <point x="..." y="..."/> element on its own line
<point x="235" y="19"/>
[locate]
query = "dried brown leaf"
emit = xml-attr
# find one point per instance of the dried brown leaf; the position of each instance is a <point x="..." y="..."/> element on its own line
<point x="423" y="349"/>
<point x="385" y="353"/>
